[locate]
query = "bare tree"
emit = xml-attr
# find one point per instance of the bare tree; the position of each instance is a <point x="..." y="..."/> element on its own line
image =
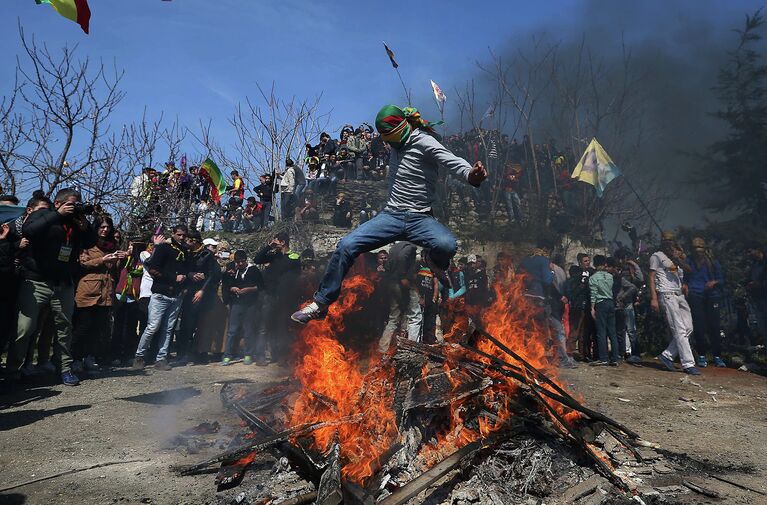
<point x="571" y="93"/>
<point x="12" y="140"/>
<point x="273" y="129"/>
<point x="69" y="103"/>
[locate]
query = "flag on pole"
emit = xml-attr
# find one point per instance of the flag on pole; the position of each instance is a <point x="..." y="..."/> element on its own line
<point x="596" y="167"/>
<point x="439" y="96"/>
<point x="212" y="174"/>
<point x="390" y="54"/>
<point x="76" y="10"/>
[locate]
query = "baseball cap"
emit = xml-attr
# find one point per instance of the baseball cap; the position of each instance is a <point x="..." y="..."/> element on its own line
<point x="210" y="241"/>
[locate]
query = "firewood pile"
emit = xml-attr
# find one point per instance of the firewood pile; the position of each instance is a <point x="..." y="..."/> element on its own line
<point x="470" y="421"/>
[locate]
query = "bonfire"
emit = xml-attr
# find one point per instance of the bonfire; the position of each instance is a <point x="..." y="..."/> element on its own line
<point x="385" y="428"/>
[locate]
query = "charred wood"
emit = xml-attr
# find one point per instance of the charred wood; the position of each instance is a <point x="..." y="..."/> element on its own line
<point x="329" y="491"/>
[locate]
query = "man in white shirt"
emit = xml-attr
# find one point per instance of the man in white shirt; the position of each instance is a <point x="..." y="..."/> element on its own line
<point x="666" y="293"/>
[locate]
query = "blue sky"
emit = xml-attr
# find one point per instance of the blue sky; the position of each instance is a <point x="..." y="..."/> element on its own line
<point x="196" y="59"/>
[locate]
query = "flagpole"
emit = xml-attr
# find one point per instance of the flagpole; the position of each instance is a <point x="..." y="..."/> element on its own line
<point x="644" y="205"/>
<point x="407" y="95"/>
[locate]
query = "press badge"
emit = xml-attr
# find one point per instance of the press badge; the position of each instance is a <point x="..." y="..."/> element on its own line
<point x="64" y="253"/>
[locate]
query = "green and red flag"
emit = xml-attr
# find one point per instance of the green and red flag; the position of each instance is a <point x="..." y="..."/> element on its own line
<point x="211" y="173"/>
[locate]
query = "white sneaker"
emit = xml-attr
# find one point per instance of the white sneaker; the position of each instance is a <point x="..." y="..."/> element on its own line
<point x="309" y="313"/>
<point x="90" y="364"/>
<point x="46" y="367"/>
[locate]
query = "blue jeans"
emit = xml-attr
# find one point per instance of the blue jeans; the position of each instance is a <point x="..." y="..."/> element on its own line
<point x="243" y="316"/>
<point x="559" y="330"/>
<point x="163" y="313"/>
<point x="513" y="206"/>
<point x="387" y="227"/>
<point x="266" y="211"/>
<point x="606" y="330"/>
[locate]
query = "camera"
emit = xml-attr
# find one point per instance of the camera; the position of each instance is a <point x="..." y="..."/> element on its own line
<point x="85" y="209"/>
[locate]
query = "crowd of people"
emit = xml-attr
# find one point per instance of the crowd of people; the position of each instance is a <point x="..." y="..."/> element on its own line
<point x="78" y="296"/>
<point x="307" y="190"/>
<point x="300" y="188"/>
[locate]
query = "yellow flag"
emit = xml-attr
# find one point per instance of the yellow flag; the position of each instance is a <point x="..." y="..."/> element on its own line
<point x="596" y="167"/>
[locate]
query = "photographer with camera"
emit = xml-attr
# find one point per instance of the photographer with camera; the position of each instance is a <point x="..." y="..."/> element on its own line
<point x="56" y="238"/>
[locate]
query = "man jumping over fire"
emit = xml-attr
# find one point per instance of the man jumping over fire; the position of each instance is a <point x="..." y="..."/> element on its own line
<point x="415" y="157"/>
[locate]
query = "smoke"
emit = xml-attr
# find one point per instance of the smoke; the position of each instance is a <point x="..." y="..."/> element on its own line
<point x="675" y="51"/>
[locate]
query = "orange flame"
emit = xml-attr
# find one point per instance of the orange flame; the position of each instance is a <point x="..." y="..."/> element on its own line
<point x="335" y="372"/>
<point x="328" y="368"/>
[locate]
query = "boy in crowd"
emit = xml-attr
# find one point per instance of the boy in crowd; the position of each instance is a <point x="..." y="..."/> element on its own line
<point x="603" y="312"/>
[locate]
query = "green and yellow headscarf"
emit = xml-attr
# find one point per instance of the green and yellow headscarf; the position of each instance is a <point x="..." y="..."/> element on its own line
<point x="395" y="125"/>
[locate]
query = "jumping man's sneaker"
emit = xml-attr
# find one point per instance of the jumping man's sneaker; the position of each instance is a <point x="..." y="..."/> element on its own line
<point x="226" y="361"/>
<point x="701" y="362"/>
<point x="691" y="370"/>
<point x="309" y="313"/>
<point x="667" y="363"/>
<point x="69" y="379"/>
<point x="247" y="360"/>
<point x="719" y="362"/>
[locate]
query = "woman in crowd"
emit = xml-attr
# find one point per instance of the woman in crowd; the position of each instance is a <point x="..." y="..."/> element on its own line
<point x="94" y="296"/>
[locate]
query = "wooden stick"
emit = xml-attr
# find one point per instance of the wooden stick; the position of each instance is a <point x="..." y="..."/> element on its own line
<point x="601" y="466"/>
<point x="573" y="403"/>
<point x="701" y="490"/>
<point x="429" y="477"/>
<point x="70" y="472"/>
<point x="741" y="486"/>
<point x="567" y="401"/>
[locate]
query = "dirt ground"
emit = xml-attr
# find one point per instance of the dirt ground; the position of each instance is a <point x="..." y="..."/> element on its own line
<point x="124" y="416"/>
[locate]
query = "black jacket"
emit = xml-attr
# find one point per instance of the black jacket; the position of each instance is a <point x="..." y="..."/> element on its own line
<point x="281" y="268"/>
<point x="54" y="247"/>
<point x="167" y="262"/>
<point x="205" y="263"/>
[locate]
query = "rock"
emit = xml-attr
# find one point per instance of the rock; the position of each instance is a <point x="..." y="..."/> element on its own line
<point x="583" y="488"/>
<point x="662" y="469"/>
<point x="648" y="454"/>
<point x="594" y="498"/>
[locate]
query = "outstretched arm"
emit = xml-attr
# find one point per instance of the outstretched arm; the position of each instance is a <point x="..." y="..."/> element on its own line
<point x="454" y="164"/>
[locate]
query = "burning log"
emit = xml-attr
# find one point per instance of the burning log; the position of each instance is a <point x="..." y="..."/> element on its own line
<point x="563" y="397"/>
